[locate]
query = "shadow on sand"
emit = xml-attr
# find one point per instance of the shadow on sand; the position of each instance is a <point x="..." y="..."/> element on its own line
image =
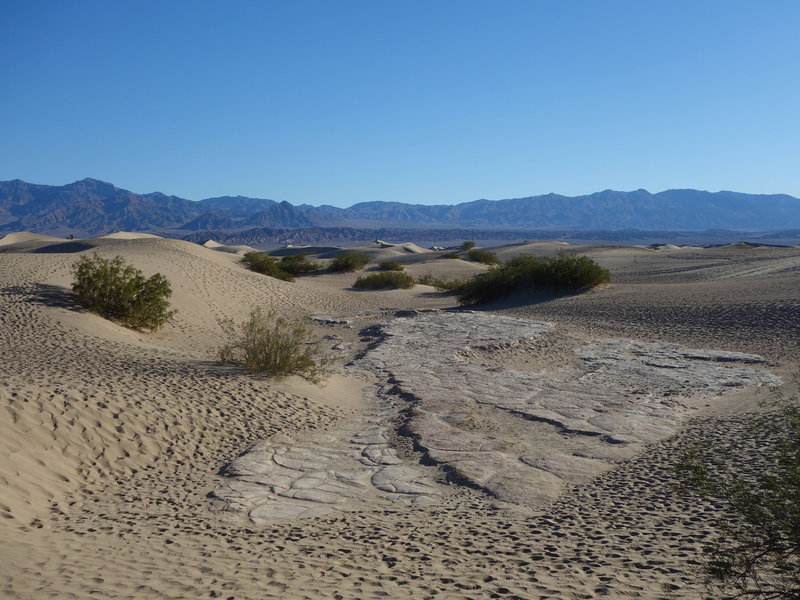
<point x="64" y="248"/>
<point x="46" y="295"/>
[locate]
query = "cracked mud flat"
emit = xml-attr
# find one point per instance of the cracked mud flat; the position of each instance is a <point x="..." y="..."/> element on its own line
<point x="286" y="478"/>
<point x="520" y="436"/>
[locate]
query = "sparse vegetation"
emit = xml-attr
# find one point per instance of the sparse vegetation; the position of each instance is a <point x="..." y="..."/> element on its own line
<point x="385" y="279"/>
<point x="284" y="269"/>
<point x="349" y="261"/>
<point x="451" y="255"/>
<point x="266" y="265"/>
<point x="565" y="272"/>
<point x="483" y="256"/>
<point x="468" y="245"/>
<point x="120" y="292"/>
<point x="273" y="346"/>
<point x="441" y="285"/>
<point x="756" y="552"/>
<point x="390" y="265"/>
<point x="298" y="264"/>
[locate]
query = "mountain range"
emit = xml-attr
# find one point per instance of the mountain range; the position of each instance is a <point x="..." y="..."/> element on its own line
<point x="93" y="207"/>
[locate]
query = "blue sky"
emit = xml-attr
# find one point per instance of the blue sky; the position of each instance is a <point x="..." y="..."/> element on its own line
<point x="431" y="102"/>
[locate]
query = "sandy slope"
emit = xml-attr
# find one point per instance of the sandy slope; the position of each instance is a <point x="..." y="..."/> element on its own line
<point x="112" y="439"/>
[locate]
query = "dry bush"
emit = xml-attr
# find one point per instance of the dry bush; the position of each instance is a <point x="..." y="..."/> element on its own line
<point x="270" y="345"/>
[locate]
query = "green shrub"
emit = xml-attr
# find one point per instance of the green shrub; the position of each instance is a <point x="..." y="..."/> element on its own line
<point x="754" y="552"/>
<point x="349" y="261"/>
<point x="386" y="279"/>
<point x="121" y="293"/>
<point x="390" y="265"/>
<point x="482" y="256"/>
<point x="468" y="245"/>
<point x="266" y="265"/>
<point x="298" y="264"/>
<point x="451" y="255"/>
<point x="273" y="346"/>
<point x="441" y="285"/>
<point x="565" y="272"/>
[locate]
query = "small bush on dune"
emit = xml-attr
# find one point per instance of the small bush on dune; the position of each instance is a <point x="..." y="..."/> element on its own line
<point x="485" y="287"/>
<point x="565" y="272"/>
<point x="451" y="255"/>
<point x="468" y="245"/>
<point x="120" y="292"/>
<point x="573" y="272"/>
<point x="483" y="256"/>
<point x="441" y="285"/>
<point x="386" y="279"/>
<point x="390" y="265"/>
<point x="298" y="264"/>
<point x="349" y="261"/>
<point x="273" y="346"/>
<point x="284" y="269"/>
<point x="266" y="265"/>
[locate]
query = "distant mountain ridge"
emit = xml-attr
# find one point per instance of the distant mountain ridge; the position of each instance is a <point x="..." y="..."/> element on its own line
<point x="93" y="207"/>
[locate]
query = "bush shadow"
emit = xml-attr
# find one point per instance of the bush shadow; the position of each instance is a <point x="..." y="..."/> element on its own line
<point x="46" y="295"/>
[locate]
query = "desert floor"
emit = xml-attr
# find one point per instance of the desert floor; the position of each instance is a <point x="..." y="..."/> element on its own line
<point x="112" y="441"/>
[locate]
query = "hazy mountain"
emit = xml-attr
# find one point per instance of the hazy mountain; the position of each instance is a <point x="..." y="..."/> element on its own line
<point x="91" y="207"/>
<point x="210" y="220"/>
<point x="285" y="215"/>
<point x="238" y="206"/>
<point x="608" y="210"/>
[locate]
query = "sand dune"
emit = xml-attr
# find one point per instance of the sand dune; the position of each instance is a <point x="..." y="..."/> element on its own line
<point x="239" y="250"/>
<point x="113" y="440"/>
<point x="28" y="238"/>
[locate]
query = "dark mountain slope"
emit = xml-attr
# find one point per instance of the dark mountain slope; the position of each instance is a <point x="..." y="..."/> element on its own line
<point x="92" y="207"/>
<point x="89" y="206"/>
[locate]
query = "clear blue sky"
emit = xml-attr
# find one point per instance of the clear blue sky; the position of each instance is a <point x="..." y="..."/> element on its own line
<point x="432" y="102"/>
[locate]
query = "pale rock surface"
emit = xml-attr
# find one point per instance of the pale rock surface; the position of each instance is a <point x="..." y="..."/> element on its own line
<point x="520" y="436"/>
<point x="350" y="467"/>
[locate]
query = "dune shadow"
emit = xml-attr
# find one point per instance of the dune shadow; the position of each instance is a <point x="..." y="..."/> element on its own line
<point x="318" y="251"/>
<point x="520" y="299"/>
<point x="64" y="248"/>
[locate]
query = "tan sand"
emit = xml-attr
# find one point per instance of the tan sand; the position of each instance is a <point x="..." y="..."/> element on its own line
<point x="112" y="439"/>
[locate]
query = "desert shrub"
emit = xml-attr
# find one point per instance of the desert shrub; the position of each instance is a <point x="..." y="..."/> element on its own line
<point x="273" y="346"/>
<point x="451" y="255"/>
<point x="390" y="265"/>
<point x="571" y="272"/>
<point x="385" y="279"/>
<point x="266" y="265"/>
<point x="494" y="284"/>
<point x="756" y="550"/>
<point x="441" y="285"/>
<point x="468" y="245"/>
<point x="565" y="272"/>
<point x="298" y="264"/>
<point x="120" y="292"/>
<point x="349" y="261"/>
<point x="483" y="256"/>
